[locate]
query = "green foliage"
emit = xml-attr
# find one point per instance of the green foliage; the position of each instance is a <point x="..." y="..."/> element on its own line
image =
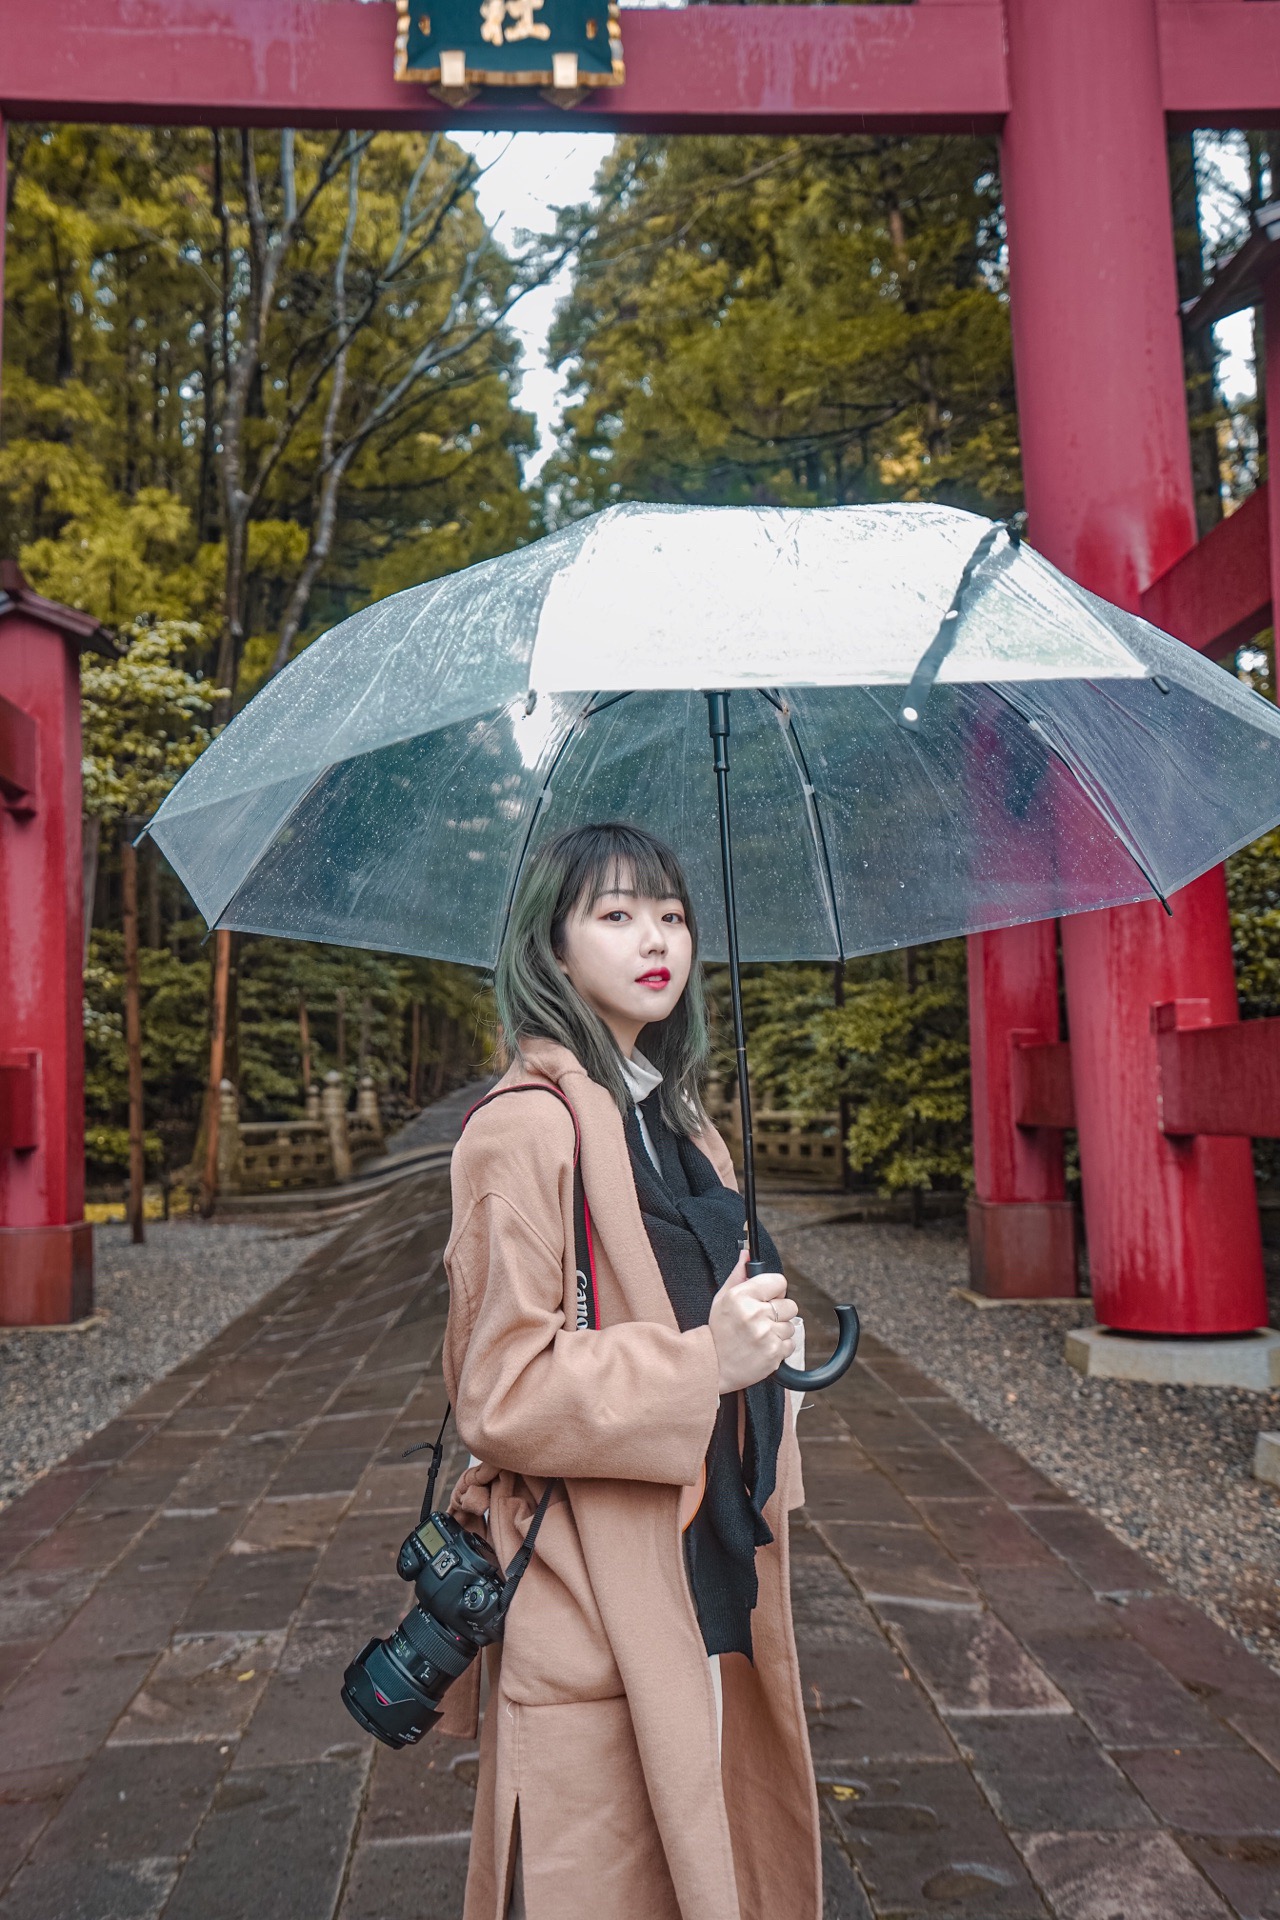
<point x="897" y="1051"/>
<point x="130" y="290"/>
<point x="143" y="718"/>
<point x="1253" y="890"/>
<point x="175" y="993"/>
<point x="273" y="976"/>
<point x="1253" y="893"/>
<point x="806" y="320"/>
<point x="133" y="287"/>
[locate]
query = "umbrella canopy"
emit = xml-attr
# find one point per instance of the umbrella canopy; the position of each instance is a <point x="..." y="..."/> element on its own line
<point x="934" y="732"/>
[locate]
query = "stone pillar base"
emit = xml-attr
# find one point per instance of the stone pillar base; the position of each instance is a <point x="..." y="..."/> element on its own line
<point x="1022" y="1249"/>
<point x="1249" y="1360"/>
<point x="46" y="1275"/>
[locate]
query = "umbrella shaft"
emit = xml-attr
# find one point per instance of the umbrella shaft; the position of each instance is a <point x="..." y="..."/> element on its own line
<point x="718" y="721"/>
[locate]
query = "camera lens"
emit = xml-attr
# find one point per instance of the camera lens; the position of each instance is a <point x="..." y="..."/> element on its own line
<point x="393" y="1687"/>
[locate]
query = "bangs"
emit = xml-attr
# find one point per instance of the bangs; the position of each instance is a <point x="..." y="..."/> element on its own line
<point x="617" y="859"/>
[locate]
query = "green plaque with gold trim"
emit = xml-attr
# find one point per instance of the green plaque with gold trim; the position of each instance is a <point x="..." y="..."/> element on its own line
<point x="562" y="45"/>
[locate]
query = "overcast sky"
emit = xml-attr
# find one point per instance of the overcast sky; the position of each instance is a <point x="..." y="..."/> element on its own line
<point x="528" y="176"/>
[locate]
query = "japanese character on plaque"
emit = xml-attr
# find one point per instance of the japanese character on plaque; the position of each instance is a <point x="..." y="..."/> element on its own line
<point x="564" y="46"/>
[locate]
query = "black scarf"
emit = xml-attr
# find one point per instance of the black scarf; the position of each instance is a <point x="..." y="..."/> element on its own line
<point x="695" y="1227"/>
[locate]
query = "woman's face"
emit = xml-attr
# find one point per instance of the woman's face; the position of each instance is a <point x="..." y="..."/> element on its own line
<point x="629" y="957"/>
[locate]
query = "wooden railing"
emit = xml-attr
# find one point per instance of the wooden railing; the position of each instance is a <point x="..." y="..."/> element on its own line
<point x="320" y="1150"/>
<point x="789" y="1146"/>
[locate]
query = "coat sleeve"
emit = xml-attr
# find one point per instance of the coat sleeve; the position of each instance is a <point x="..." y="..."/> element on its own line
<point x="636" y="1401"/>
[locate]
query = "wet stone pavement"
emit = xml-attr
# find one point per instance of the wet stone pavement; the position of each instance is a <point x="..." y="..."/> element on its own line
<point x="1011" y="1715"/>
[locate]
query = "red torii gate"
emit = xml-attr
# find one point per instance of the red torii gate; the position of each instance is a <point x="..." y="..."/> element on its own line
<point x="1082" y="93"/>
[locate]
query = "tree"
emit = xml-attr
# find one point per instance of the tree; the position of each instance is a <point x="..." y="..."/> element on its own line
<point x="254" y="382"/>
<point x="143" y="721"/>
<point x="363" y="310"/>
<point x="801" y="320"/>
<point x="1200" y="351"/>
<point x="333" y="307"/>
<point x="893" y="1054"/>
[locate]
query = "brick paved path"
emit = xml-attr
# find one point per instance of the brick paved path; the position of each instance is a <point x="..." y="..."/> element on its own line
<point x="1011" y="1716"/>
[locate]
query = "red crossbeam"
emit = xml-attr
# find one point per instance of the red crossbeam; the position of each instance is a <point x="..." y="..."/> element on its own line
<point x="1220" y="62"/>
<point x="1218" y="596"/>
<point x="1217" y="1079"/>
<point x="705" y="68"/>
<point x="721" y="69"/>
<point x="1212" y="1079"/>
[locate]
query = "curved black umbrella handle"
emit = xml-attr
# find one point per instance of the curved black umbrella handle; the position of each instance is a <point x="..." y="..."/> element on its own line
<point x="810" y="1379"/>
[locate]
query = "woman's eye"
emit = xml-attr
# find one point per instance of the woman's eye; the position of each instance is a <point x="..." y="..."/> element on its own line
<point x="616" y="914"/>
<point x="677" y="918"/>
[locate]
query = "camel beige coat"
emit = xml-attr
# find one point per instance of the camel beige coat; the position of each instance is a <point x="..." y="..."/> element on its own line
<point x="600" y="1732"/>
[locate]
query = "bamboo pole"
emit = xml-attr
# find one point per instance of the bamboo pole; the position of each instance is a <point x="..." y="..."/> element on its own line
<point x="133" y="1039"/>
<point x="217" y="1061"/>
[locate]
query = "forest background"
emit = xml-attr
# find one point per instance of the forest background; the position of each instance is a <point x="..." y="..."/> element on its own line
<point x="252" y="382"/>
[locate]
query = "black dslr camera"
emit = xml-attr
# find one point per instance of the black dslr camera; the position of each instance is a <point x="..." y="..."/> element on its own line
<point x="393" y="1687"/>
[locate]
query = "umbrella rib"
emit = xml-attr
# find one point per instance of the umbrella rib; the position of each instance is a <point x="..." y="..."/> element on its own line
<point x="930" y="663"/>
<point x="541" y="801"/>
<point x="1092" y="789"/>
<point x="813" y="813"/>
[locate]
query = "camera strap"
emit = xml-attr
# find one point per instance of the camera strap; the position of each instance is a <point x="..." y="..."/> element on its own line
<point x="588" y="1315"/>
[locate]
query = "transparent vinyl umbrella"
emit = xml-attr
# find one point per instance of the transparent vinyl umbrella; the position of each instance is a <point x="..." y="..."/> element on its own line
<point x="934" y="732"/>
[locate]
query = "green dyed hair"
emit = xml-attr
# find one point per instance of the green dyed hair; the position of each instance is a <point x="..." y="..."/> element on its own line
<point x="537" y="1000"/>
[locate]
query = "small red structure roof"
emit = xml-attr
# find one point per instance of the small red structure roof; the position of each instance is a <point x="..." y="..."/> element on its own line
<point x="16" y="596"/>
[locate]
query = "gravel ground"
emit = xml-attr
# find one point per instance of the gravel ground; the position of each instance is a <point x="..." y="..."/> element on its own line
<point x="1167" y="1468"/>
<point x="158" y="1303"/>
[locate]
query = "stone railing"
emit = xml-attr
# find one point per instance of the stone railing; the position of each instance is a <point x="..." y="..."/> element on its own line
<point x="320" y="1150"/>
<point x="789" y="1146"/>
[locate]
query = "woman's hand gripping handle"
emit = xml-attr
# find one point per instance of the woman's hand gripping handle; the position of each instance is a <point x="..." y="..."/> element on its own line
<point x="751" y="1324"/>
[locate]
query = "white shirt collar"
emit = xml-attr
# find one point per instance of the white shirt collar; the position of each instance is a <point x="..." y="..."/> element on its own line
<point x="641" y="1076"/>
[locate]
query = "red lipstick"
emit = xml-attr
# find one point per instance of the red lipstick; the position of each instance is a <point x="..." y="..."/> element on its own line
<point x="656" y="977"/>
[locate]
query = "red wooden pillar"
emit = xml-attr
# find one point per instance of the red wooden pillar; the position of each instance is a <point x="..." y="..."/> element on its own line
<point x="46" y="1249"/>
<point x="1021" y="1229"/>
<point x="1173" y="1231"/>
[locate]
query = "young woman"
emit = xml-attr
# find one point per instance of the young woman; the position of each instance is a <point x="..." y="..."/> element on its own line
<point x="644" y="1753"/>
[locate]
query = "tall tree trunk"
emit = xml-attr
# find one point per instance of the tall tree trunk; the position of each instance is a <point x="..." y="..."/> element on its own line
<point x="155" y="929"/>
<point x="846" y="1104"/>
<point x="415" y="1050"/>
<point x="91" y="840"/>
<point x="340" y="1008"/>
<point x="1261" y="146"/>
<point x="133" y="1038"/>
<point x="1200" y="355"/>
<point x="231" y="1070"/>
<point x="217" y="1061"/>
<point x="304" y="1042"/>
